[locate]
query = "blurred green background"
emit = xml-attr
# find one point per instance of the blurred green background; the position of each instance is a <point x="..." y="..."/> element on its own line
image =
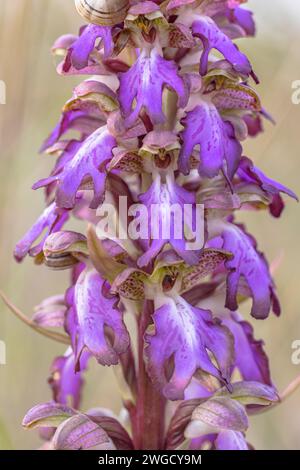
<point x="35" y="94"/>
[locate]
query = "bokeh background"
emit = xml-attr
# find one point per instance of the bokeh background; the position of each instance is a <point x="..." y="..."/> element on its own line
<point x="35" y="94"/>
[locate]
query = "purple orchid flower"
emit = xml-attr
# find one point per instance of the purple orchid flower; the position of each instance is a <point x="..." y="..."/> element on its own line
<point x="213" y="38"/>
<point x="145" y="82"/>
<point x="95" y="311"/>
<point x="205" y="127"/>
<point x="89" y="160"/>
<point x="79" y="52"/>
<point x="66" y="384"/>
<point x="157" y="130"/>
<point x="51" y="220"/>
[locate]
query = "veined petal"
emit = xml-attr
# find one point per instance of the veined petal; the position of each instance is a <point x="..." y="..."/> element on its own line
<point x="166" y="206"/>
<point x="79" y="53"/>
<point x="250" y="265"/>
<point x="50" y="313"/>
<point x="185" y="333"/>
<point x="51" y="220"/>
<point x="213" y="38"/>
<point x="94" y="313"/>
<point x="66" y="384"/>
<point x="204" y="126"/>
<point x="249" y="173"/>
<point x="80" y="432"/>
<point x="73" y="119"/>
<point x="231" y="440"/>
<point x="144" y="82"/>
<point x="87" y="161"/>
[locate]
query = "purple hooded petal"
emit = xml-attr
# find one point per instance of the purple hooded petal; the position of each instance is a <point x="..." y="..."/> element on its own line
<point x="67" y="384"/>
<point x="94" y="313"/>
<point x="254" y="124"/>
<point x="79" y="53"/>
<point x="173" y="4"/>
<point x="249" y="173"/>
<point x="144" y="82"/>
<point x="77" y="119"/>
<point x="87" y="161"/>
<point x="217" y="414"/>
<point x="251" y="359"/>
<point x="48" y="414"/>
<point x="51" y="312"/>
<point x="243" y="18"/>
<point x="231" y="440"/>
<point x="250" y="265"/>
<point x="164" y="225"/>
<point x="51" y="220"/>
<point x="213" y="38"/>
<point x="185" y="333"/>
<point x="204" y="126"/>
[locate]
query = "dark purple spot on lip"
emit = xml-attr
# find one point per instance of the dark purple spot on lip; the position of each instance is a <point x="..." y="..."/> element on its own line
<point x="168" y="282"/>
<point x="162" y="160"/>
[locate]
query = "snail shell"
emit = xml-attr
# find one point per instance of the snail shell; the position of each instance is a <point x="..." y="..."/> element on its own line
<point x="103" y="12"/>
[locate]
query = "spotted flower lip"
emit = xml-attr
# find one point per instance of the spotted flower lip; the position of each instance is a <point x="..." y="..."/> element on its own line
<point x="145" y="82"/>
<point x="169" y="272"/>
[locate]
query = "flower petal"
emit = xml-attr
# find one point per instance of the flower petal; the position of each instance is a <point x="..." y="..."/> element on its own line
<point x="51" y="312"/>
<point x="249" y="173"/>
<point x="185" y="333"/>
<point x="94" y="152"/>
<point x="50" y="221"/>
<point x="94" y="313"/>
<point x="251" y="360"/>
<point x="47" y="414"/>
<point x="204" y="126"/>
<point x="209" y="261"/>
<point x="66" y="384"/>
<point x="213" y="38"/>
<point x="251" y="265"/>
<point x="144" y="82"/>
<point x="79" y="433"/>
<point x="231" y="440"/>
<point x="79" y="53"/>
<point x="250" y="393"/>
<point x="216" y="414"/>
<point x="168" y="202"/>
